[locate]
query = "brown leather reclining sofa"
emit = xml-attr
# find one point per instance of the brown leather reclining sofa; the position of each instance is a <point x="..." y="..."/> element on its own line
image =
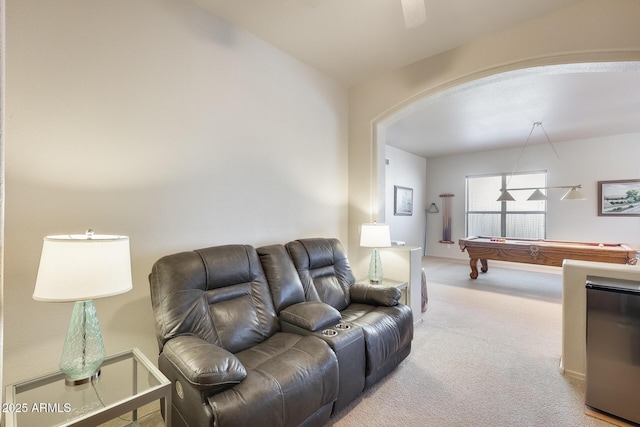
<point x="274" y="336"/>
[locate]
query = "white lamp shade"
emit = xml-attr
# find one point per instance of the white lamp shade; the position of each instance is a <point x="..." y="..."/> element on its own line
<point x="573" y="194"/>
<point x="537" y="196"/>
<point x="81" y="267"/>
<point x="374" y="235"/>
<point x="505" y="196"/>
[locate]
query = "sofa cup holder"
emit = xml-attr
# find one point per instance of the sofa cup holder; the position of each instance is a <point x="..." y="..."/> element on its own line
<point x="342" y="326"/>
<point x="329" y="332"/>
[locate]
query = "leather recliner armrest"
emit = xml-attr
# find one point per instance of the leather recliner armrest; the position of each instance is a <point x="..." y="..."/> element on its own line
<point x="375" y="294"/>
<point x="204" y="365"/>
<point x="311" y="315"/>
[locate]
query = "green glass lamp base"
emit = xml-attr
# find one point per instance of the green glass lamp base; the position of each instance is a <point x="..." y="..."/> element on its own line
<point x="375" y="267"/>
<point x="83" y="351"/>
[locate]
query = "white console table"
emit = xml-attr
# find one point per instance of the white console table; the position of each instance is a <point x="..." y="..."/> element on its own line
<point x="574" y="308"/>
<point x="404" y="264"/>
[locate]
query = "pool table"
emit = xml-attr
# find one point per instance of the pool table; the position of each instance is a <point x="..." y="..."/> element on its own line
<point x="545" y="252"/>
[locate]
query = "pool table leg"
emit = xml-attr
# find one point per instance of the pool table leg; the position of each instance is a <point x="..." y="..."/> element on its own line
<point x="473" y="263"/>
<point x="485" y="265"/>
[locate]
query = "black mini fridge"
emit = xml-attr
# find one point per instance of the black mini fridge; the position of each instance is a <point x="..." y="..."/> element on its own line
<point x="613" y="347"/>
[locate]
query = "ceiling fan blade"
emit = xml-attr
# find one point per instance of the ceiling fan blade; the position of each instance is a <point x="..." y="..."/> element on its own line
<point x="414" y="12"/>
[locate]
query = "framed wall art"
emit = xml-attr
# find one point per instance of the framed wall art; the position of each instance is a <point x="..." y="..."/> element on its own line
<point x="402" y="200"/>
<point x="619" y="198"/>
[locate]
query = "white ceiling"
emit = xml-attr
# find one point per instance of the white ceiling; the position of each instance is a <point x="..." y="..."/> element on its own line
<point x="354" y="40"/>
<point x="575" y="101"/>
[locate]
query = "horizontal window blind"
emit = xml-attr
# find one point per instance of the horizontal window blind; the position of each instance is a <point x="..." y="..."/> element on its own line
<point x="523" y="219"/>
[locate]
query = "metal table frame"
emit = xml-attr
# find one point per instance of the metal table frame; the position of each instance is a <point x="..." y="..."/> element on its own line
<point x="106" y="413"/>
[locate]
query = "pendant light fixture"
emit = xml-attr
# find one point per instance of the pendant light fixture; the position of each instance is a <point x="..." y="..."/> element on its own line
<point x="572" y="194"/>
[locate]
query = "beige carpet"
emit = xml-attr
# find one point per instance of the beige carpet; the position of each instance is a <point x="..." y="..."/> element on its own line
<point x="148" y="416"/>
<point x="487" y="354"/>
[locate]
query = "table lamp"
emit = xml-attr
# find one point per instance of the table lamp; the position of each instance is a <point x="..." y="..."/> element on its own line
<point x="80" y="268"/>
<point x="374" y="235"/>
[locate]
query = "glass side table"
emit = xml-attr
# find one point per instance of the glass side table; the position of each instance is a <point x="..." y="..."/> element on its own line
<point x="127" y="381"/>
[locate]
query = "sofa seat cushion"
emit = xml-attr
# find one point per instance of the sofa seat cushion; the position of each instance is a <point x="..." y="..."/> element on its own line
<point x="311" y="316"/>
<point x="289" y="378"/>
<point x="387" y="330"/>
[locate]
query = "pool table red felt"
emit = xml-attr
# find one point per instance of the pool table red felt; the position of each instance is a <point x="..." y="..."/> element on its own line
<point x="545" y="252"/>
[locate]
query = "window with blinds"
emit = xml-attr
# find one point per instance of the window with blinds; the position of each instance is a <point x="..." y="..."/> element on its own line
<point x="515" y="219"/>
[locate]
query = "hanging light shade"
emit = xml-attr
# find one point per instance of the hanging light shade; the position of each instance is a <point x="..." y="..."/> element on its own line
<point x="574" y="194"/>
<point x="505" y="196"/>
<point x="537" y="196"/>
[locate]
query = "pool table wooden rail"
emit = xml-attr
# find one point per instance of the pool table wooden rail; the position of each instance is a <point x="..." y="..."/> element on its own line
<point x="543" y="252"/>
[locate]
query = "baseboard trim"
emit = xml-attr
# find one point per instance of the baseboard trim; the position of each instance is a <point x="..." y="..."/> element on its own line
<point x="606" y="417"/>
<point x="572" y="374"/>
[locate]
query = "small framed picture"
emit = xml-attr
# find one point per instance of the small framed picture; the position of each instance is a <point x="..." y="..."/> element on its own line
<point x="402" y="200"/>
<point x="619" y="198"/>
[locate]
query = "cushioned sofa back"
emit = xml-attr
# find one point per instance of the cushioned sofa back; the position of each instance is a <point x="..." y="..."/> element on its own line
<point x="284" y="282"/>
<point x="219" y="294"/>
<point x="323" y="264"/>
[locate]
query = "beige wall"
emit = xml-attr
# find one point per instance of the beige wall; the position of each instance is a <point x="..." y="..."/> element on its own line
<point x="592" y="30"/>
<point x="406" y="170"/>
<point x="157" y="120"/>
<point x="2" y="179"/>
